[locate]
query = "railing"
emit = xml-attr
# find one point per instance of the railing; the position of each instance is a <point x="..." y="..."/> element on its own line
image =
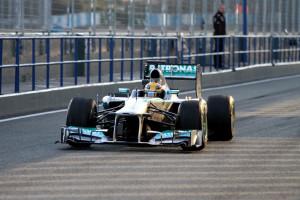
<point x="240" y="51"/>
<point x="34" y="63"/>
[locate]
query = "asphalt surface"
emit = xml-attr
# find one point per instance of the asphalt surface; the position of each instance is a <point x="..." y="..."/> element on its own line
<point x="261" y="162"/>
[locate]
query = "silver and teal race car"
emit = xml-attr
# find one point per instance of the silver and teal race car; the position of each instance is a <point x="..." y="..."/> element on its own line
<point x="155" y="118"/>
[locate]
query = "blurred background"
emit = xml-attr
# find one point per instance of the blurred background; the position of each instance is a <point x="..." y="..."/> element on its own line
<point x="145" y="17"/>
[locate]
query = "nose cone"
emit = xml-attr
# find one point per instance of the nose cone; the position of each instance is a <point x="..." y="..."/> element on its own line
<point x="134" y="106"/>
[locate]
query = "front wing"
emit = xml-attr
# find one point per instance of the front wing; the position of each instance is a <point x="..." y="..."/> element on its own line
<point x="98" y="136"/>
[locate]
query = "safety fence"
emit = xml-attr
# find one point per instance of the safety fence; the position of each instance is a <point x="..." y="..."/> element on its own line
<point x="43" y="62"/>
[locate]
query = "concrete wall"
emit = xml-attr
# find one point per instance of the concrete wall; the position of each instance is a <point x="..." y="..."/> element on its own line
<point x="32" y="102"/>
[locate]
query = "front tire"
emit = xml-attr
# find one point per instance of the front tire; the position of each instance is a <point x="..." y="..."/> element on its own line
<point x="193" y="116"/>
<point x="81" y="113"/>
<point x="221" y="118"/>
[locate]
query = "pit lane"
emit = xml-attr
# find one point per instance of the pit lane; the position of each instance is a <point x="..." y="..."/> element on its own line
<point x="261" y="162"/>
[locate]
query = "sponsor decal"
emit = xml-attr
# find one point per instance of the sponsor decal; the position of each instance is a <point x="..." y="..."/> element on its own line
<point x="176" y="70"/>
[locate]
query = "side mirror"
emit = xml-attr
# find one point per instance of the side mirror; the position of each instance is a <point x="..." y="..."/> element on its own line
<point x="124" y="90"/>
<point x="174" y="92"/>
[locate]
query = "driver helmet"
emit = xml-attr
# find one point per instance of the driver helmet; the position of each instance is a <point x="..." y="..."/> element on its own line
<point x="154" y="85"/>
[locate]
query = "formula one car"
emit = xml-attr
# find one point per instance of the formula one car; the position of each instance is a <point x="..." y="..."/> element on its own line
<point x="152" y="117"/>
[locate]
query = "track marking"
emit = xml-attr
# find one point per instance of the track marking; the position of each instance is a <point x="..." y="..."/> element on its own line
<point x="132" y="177"/>
<point x="32" y="115"/>
<point x="154" y="187"/>
<point x="158" y="161"/>
<point x="63" y="169"/>
<point x="236" y="174"/>
<point x="120" y="195"/>
<point x="242" y="84"/>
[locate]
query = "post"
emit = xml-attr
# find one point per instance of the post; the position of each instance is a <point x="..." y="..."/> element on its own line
<point x="272" y="51"/>
<point x="273" y="16"/>
<point x="182" y="50"/>
<point x="68" y="14"/>
<point x="177" y="49"/>
<point x="76" y="61"/>
<point x="160" y="49"/>
<point x="192" y="16"/>
<point x="203" y="51"/>
<point x="131" y="16"/>
<point x="17" y="69"/>
<point x="168" y="51"/>
<point x="61" y="62"/>
<point x="264" y="20"/>
<point x="164" y="16"/>
<point x="47" y="15"/>
<point x="131" y="58"/>
<point x="122" y="59"/>
<point x="111" y="17"/>
<point x="33" y="64"/>
<point x="245" y="29"/>
<point x="94" y="16"/>
<point x="294" y="17"/>
<point x="88" y="62"/>
<point x="147" y="14"/>
<point x="189" y="50"/>
<point x="141" y="56"/>
<point x="211" y="57"/>
<point x="1" y="61"/>
<point x="245" y="18"/>
<point x="19" y="11"/>
<point x="233" y="52"/>
<point x="99" y="57"/>
<point x="111" y="57"/>
<point x="205" y="17"/>
<point x="279" y="28"/>
<point x="47" y="62"/>
<point x="178" y="16"/>
<point x="72" y="16"/>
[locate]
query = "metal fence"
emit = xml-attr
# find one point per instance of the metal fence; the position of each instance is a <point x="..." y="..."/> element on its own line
<point x="146" y="16"/>
<point x="34" y="63"/>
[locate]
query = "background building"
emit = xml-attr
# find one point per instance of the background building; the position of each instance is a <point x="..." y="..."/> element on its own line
<point x="145" y="16"/>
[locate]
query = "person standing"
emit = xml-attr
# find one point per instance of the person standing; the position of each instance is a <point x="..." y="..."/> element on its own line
<point x="219" y="23"/>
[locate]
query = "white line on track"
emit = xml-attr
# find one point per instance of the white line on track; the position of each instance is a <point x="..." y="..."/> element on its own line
<point x="243" y="84"/>
<point x="32" y="115"/>
<point x="182" y="93"/>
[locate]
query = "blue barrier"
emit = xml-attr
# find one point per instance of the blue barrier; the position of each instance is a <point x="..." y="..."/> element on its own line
<point x="111" y="57"/>
<point x="141" y="56"/>
<point x="131" y="56"/>
<point x="131" y="53"/>
<point x="1" y="61"/>
<point x="61" y="72"/>
<point x="122" y="61"/>
<point x="100" y="63"/>
<point x="17" y="70"/>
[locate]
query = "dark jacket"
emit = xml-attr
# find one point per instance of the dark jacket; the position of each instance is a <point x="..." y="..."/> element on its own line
<point x="219" y="22"/>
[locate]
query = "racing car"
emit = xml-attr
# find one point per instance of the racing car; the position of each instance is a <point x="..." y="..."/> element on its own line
<point x="152" y="118"/>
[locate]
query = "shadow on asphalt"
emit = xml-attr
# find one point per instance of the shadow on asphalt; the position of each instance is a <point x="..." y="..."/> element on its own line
<point x="122" y="148"/>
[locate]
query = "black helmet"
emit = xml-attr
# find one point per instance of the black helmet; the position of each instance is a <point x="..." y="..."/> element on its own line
<point x="154" y="74"/>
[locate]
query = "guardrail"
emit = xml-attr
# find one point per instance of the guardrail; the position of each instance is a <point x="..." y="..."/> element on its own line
<point x="43" y="62"/>
<point x="240" y="51"/>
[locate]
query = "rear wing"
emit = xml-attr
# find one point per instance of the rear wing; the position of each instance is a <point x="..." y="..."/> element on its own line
<point x="173" y="71"/>
<point x="177" y="71"/>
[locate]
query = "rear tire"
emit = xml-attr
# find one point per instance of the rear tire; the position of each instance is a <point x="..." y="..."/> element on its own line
<point x="81" y="113"/>
<point x="221" y="118"/>
<point x="192" y="116"/>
